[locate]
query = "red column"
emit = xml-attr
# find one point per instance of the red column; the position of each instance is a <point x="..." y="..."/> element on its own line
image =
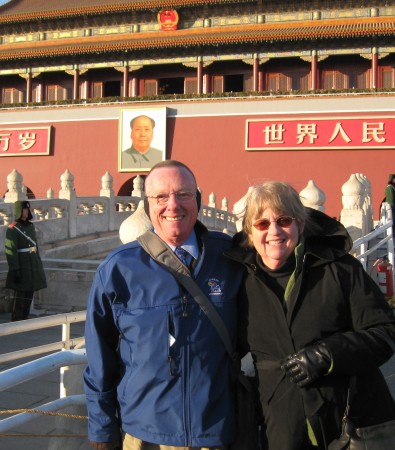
<point x="206" y="83"/>
<point x="374" y="68"/>
<point x="126" y="81"/>
<point x="255" y="73"/>
<point x="76" y="84"/>
<point x="261" y="81"/>
<point x="199" y="77"/>
<point x="314" y="71"/>
<point x="29" y="88"/>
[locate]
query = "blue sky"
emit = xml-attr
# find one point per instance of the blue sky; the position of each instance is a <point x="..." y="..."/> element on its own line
<point x="3" y="1"/>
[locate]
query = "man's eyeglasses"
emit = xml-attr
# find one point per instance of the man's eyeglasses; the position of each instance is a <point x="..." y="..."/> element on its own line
<point x="181" y="196"/>
<point x="282" y="221"/>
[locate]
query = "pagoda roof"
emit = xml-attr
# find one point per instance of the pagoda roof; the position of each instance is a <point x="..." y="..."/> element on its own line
<point x="313" y="30"/>
<point x="27" y="10"/>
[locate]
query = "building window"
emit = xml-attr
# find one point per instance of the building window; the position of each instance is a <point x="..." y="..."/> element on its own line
<point x="171" y="85"/>
<point x="346" y="79"/>
<point x="191" y="85"/>
<point x="248" y="83"/>
<point x="97" y="89"/>
<point x="55" y="92"/>
<point x="12" y="95"/>
<point x="234" y="83"/>
<point x="112" y="89"/>
<point x="387" y="77"/>
<point x="288" y="81"/>
<point x="149" y="87"/>
<point x="218" y="83"/>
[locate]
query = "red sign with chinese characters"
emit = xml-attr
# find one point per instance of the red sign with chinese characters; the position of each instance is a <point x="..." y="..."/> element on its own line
<point x="337" y="133"/>
<point x="25" y="141"/>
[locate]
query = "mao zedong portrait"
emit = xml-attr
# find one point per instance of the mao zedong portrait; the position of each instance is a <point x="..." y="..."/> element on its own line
<point x="141" y="155"/>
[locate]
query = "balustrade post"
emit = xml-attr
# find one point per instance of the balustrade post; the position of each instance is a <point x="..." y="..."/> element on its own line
<point x="138" y="187"/>
<point x="367" y="202"/>
<point x="352" y="215"/>
<point x="67" y="192"/>
<point x="15" y="188"/>
<point x="212" y="200"/>
<point x="239" y="210"/>
<point x="313" y="197"/>
<point x="108" y="191"/>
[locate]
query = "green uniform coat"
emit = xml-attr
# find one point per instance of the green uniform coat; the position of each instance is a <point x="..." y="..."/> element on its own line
<point x="28" y="264"/>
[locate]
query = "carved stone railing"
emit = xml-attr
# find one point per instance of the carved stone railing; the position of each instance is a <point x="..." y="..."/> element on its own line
<point x="80" y="219"/>
<point x="70" y="216"/>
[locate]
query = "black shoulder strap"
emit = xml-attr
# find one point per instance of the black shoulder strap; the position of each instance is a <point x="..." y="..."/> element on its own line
<point x="164" y="256"/>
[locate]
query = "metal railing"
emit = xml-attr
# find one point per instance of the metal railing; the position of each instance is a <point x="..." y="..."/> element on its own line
<point x="381" y="236"/>
<point x="63" y="320"/>
<point x="71" y="354"/>
<point x="61" y="265"/>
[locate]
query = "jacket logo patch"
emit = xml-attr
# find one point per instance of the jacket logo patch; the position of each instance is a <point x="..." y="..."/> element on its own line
<point x="215" y="287"/>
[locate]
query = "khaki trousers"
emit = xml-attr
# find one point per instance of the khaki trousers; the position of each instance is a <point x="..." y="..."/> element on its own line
<point x="132" y="443"/>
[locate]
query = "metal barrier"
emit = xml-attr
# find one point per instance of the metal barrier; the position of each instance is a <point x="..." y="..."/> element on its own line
<point x="381" y="236"/>
<point x="64" y="320"/>
<point x="71" y="354"/>
<point x="61" y="262"/>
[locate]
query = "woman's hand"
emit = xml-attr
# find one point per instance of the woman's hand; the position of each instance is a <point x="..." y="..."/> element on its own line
<point x="308" y="364"/>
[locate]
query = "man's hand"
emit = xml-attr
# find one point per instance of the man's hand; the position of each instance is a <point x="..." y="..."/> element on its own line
<point x="308" y="364"/>
<point x="106" y="445"/>
<point x="16" y="276"/>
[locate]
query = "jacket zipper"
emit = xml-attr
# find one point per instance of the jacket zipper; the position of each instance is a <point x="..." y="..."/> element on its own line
<point x="185" y="305"/>
<point x="170" y="326"/>
<point x="187" y="416"/>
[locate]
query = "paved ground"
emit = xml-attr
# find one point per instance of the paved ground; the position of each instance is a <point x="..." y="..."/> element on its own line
<point x="38" y="392"/>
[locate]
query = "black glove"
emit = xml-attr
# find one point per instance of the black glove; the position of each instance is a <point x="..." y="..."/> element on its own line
<point x="16" y="276"/>
<point x="307" y="364"/>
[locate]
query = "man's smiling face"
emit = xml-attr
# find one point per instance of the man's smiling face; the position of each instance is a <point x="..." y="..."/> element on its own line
<point x="173" y="221"/>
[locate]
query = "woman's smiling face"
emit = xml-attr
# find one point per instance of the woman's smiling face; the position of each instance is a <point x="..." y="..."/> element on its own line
<point x="277" y="243"/>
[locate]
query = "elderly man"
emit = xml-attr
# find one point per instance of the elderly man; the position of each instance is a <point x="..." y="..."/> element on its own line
<point x="158" y="375"/>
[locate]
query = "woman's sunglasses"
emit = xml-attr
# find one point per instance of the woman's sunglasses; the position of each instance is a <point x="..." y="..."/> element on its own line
<point x="282" y="221"/>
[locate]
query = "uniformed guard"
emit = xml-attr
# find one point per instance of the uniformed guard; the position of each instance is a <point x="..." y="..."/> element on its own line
<point x="25" y="269"/>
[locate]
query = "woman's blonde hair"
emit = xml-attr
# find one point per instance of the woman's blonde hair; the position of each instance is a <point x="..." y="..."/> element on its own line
<point x="280" y="197"/>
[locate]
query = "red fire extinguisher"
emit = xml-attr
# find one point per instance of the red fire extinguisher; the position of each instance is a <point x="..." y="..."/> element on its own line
<point x="385" y="277"/>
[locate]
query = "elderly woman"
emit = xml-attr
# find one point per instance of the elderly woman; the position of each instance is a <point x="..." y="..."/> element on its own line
<point x="311" y="318"/>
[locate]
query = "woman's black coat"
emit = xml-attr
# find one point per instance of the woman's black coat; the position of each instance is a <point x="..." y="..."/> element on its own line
<point x="335" y="301"/>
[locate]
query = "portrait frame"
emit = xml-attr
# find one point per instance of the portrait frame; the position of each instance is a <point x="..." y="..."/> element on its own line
<point x="131" y="160"/>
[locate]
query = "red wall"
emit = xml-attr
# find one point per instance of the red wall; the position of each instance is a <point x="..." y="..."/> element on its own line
<point x="214" y="148"/>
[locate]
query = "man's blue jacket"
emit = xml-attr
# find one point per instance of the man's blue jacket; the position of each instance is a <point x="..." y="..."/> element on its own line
<point x="157" y="369"/>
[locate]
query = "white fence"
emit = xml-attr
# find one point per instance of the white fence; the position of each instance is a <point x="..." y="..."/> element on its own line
<point x="381" y="238"/>
<point x="69" y="216"/>
<point x="71" y="354"/>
